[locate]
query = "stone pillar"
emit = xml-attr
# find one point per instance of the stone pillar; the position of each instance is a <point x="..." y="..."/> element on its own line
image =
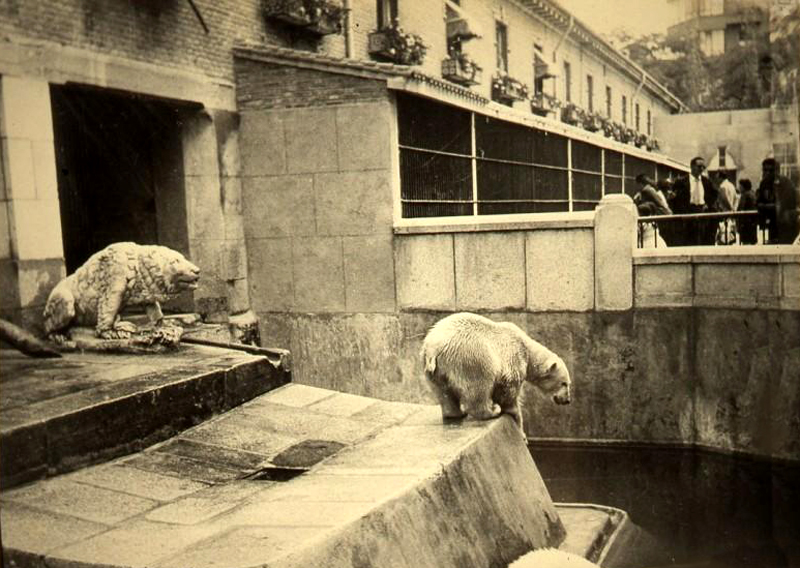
<point x="212" y="180"/>
<point x="614" y="243"/>
<point x="31" y="248"/>
<point x="206" y="226"/>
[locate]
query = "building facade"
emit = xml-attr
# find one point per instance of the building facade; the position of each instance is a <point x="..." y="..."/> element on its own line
<point x="722" y="25"/>
<point x="280" y="146"/>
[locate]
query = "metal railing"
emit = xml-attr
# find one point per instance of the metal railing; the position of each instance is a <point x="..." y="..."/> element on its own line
<point x="703" y="229"/>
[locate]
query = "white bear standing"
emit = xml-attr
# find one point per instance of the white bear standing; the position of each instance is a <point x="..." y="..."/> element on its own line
<point x="476" y="367"/>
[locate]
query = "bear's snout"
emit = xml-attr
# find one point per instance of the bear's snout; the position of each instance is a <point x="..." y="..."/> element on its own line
<point x="561" y="399"/>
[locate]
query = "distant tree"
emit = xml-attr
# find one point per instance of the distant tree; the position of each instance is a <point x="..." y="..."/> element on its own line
<point x="756" y="73"/>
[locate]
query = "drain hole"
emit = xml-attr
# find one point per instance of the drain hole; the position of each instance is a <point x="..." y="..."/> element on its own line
<point x="307" y="453"/>
<point x="272" y="473"/>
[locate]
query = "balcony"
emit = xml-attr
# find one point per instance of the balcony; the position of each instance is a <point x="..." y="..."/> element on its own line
<point x="462" y="70"/>
<point x="543" y="104"/>
<point x="394" y="45"/>
<point x="507" y="90"/>
<point x="318" y="17"/>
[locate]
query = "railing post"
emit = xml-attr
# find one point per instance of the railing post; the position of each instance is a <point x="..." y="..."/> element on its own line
<point x="614" y="242"/>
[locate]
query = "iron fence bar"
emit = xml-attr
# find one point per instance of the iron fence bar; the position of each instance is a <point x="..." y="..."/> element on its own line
<point x="466" y="202"/>
<point x="715" y="215"/>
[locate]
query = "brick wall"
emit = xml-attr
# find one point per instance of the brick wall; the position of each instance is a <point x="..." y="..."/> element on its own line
<point x="162" y="32"/>
<point x="263" y="85"/>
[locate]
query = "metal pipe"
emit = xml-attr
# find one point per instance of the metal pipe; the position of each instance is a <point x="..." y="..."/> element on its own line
<point x="348" y="32"/>
<point x="564" y="36"/>
<point x="279" y="358"/>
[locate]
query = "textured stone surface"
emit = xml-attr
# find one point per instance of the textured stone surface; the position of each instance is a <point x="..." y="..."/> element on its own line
<point x="353" y="203"/>
<point x="490" y="271"/>
<point x="369" y="274"/>
<point x="425" y="270"/>
<point x="392" y="494"/>
<point x="318" y="274"/>
<point x="614" y="241"/>
<point x="67" y="413"/>
<point x="553" y="284"/>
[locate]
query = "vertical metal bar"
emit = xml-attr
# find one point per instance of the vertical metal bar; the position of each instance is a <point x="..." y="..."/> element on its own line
<point x="569" y="172"/>
<point x="474" y="160"/>
<point x="602" y="172"/>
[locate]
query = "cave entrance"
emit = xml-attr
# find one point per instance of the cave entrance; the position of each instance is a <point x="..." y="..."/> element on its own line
<point x="119" y="161"/>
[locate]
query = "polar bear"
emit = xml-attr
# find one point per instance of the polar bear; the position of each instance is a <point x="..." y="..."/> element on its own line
<point x="476" y="367"/>
<point x="121" y="274"/>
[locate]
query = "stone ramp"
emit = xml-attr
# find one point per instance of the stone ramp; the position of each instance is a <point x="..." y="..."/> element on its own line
<point x="392" y="486"/>
<point x="57" y="415"/>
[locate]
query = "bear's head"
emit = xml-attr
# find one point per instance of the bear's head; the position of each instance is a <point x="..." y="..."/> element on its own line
<point x="555" y="380"/>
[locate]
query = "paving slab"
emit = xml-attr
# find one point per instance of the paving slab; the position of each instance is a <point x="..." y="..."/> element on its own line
<point x="58" y="415"/>
<point x="405" y="491"/>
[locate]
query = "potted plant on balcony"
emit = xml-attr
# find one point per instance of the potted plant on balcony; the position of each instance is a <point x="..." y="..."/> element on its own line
<point x="628" y="135"/>
<point x="460" y="68"/>
<point x="394" y="44"/>
<point x="571" y="114"/>
<point x="506" y="89"/>
<point x="320" y="17"/>
<point x="543" y="104"/>
<point x="640" y="139"/>
<point x="592" y="122"/>
<point x="653" y="144"/>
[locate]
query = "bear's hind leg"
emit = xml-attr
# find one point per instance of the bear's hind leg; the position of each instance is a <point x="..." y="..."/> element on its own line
<point x="451" y="407"/>
<point x="479" y="404"/>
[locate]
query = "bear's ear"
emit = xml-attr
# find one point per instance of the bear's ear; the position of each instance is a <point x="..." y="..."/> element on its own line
<point x="552" y="368"/>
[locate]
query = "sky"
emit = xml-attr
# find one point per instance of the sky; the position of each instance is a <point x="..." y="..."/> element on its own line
<point x="638" y="17"/>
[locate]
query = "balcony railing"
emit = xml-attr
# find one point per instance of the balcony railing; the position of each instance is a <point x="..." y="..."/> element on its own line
<point x="462" y="70"/>
<point x="703" y="229"/>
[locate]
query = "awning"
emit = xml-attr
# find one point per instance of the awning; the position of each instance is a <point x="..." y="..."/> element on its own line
<point x="541" y="69"/>
<point x="460" y="25"/>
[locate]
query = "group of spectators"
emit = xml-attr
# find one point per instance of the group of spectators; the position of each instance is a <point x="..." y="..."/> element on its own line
<point x="777" y="201"/>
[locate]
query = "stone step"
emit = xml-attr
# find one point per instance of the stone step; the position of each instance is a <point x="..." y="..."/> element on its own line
<point x="58" y="415"/>
<point x="300" y="476"/>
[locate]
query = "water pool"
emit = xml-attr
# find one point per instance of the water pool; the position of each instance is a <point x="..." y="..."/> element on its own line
<point x="701" y="508"/>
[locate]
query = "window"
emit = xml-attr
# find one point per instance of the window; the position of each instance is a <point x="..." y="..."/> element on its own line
<point x="608" y="102"/>
<point x="387" y="13"/>
<point x="590" y="93"/>
<point x="457" y="162"/>
<point x="501" y="35"/>
<point x="624" y="110"/>
<point x="636" y="118"/>
<point x="786" y="155"/>
<point x="649" y="123"/>
<point x="567" y="81"/>
<point x="721" y="152"/>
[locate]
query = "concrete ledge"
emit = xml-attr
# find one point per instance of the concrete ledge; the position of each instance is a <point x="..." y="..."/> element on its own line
<point x="62" y="414"/>
<point x="515" y="222"/>
<point x="403" y="490"/>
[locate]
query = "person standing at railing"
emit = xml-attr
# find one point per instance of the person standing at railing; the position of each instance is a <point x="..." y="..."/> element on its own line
<point x="748" y="229"/>
<point x="727" y="201"/>
<point x="650" y="201"/>
<point x="778" y="201"/>
<point x="695" y="193"/>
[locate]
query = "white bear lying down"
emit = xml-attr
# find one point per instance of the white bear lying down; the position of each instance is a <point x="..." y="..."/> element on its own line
<point x="476" y="367"/>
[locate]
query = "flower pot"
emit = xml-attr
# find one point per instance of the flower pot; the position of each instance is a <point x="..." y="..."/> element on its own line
<point x="453" y="70"/>
<point x="379" y="45"/>
<point x="325" y="25"/>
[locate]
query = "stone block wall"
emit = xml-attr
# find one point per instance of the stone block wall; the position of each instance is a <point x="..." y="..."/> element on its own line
<point x="31" y="255"/>
<point x="316" y="193"/>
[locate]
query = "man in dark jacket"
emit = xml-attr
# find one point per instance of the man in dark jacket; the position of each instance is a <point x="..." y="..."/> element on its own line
<point x="778" y="201"/>
<point x="696" y="193"/>
<point x="748" y="231"/>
